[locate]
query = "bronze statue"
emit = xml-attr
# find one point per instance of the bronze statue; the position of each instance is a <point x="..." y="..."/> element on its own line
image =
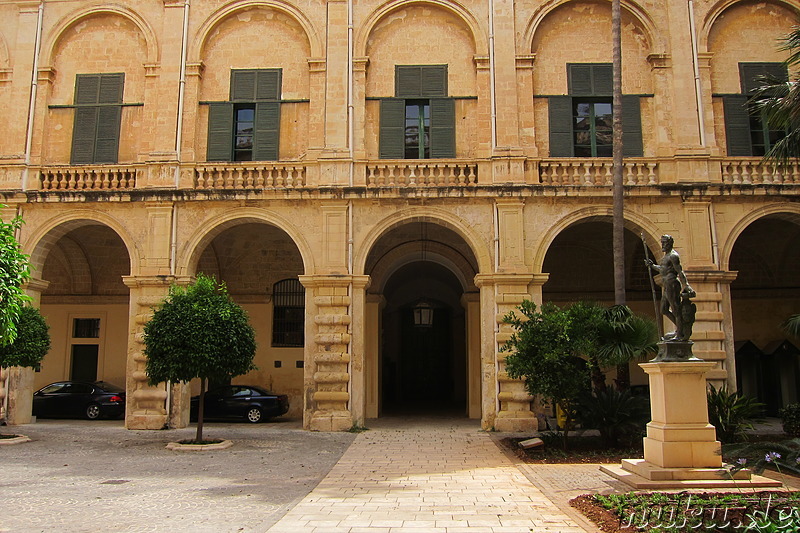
<point x="676" y="293"/>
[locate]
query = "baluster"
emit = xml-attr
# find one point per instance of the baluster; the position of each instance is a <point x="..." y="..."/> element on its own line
<point x="777" y="177"/>
<point x="629" y="179"/>
<point x="381" y="175"/>
<point x="746" y="173"/>
<point x="412" y="176"/>
<point x="200" y="178"/>
<point x="370" y="176"/>
<point x="259" y="180"/>
<point x="280" y="180"/>
<point x="587" y="173"/>
<point x="301" y="176"/>
<point x="736" y="177"/>
<point x="238" y="181"/>
<point x="460" y="175"/>
<point x="290" y="172"/>
<point x="651" y="174"/>
<point x="105" y="181"/>
<point x="609" y="177"/>
<point x="763" y="172"/>
<point x="795" y="173"/>
<point x="726" y="174"/>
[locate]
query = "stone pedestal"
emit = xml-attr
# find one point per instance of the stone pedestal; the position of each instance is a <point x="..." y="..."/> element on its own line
<point x="19" y="387"/>
<point x="680" y="449"/>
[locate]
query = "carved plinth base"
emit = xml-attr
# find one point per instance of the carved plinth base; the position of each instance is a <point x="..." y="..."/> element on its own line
<point x="640" y="474"/>
<point x="680" y="450"/>
<point x="331" y="421"/>
<point x="675" y="351"/>
<point x="145" y="420"/>
<point x="516" y="421"/>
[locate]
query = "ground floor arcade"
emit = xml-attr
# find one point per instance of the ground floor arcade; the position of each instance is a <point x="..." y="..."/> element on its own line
<point x="377" y="305"/>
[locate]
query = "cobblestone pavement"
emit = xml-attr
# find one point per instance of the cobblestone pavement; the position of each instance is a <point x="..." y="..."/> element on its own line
<point x="81" y="476"/>
<point x="436" y="476"/>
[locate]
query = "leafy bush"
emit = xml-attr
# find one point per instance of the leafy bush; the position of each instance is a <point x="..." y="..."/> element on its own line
<point x="731" y="413"/>
<point x="619" y="416"/>
<point x="790" y="417"/>
<point x="32" y="341"/>
<point x="784" y="455"/>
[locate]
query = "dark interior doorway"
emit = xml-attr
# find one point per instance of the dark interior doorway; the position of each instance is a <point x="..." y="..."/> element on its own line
<point x="84" y="362"/>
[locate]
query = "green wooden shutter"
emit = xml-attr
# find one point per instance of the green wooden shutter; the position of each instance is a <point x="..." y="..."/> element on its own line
<point x="749" y="74"/>
<point x="434" y="81"/>
<point x="579" y="79"/>
<point x="83" y="135"/>
<point x="443" y="127"/>
<point x="107" y="140"/>
<point x="602" y="79"/>
<point x="268" y="84"/>
<point x="220" y="132"/>
<point x="631" y="126"/>
<point x="110" y="90"/>
<point x="267" y="131"/>
<point x="243" y="85"/>
<point x="589" y="79"/>
<point x="737" y="125"/>
<point x="392" y="129"/>
<point x="87" y="87"/>
<point x="560" y="116"/>
<point x="407" y="81"/>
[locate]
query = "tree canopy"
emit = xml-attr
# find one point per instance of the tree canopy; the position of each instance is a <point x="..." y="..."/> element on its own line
<point x="198" y="332"/>
<point x="14" y="272"/>
<point x="32" y="341"/>
<point x="779" y="102"/>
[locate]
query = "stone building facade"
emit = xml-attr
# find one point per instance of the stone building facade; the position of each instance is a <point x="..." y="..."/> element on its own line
<point x="347" y="166"/>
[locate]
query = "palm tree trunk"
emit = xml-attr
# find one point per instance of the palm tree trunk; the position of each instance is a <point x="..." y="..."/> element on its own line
<point x="618" y="214"/>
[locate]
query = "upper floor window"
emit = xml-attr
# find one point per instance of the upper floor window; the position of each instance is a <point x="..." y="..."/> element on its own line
<point x="288" y="313"/>
<point x="419" y="122"/>
<point x="98" y="113"/>
<point x="747" y="132"/>
<point x="581" y="122"/>
<point x="247" y="127"/>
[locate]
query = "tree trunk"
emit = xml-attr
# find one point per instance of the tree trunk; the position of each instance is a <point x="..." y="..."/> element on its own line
<point x="618" y="214"/>
<point x="198" y="438"/>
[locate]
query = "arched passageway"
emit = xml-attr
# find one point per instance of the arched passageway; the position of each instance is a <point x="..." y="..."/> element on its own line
<point x="425" y="301"/>
<point x="260" y="265"/>
<point x="765" y="292"/>
<point x="85" y="304"/>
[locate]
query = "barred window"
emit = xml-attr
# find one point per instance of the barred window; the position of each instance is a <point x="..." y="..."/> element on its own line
<point x="288" y="313"/>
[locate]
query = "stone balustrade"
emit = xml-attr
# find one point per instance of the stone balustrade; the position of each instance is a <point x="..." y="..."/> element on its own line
<point x="250" y="176"/>
<point x="754" y="172"/>
<point x="96" y="177"/>
<point x="421" y="173"/>
<point x="595" y="172"/>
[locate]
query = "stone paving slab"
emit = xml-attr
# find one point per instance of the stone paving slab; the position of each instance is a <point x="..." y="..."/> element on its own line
<point x="432" y="476"/>
<point x="87" y="476"/>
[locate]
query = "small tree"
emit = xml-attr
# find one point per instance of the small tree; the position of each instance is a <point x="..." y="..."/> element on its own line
<point x="544" y="350"/>
<point x="14" y="272"/>
<point x="31" y="343"/>
<point x="198" y="332"/>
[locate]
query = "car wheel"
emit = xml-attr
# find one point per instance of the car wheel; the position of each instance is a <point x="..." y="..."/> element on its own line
<point x="254" y="415"/>
<point x="93" y="411"/>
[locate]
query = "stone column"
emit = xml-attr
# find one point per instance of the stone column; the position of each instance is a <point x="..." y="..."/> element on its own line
<point x="506" y="403"/>
<point x="327" y="353"/>
<point x="146" y="406"/>
<point x="358" y="348"/>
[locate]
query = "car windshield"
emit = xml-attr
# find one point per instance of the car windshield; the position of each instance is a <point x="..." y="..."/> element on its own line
<point x="108" y="387"/>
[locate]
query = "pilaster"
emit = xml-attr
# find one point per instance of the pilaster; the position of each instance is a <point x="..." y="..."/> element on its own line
<point x="506" y="402"/>
<point x="358" y="349"/>
<point x="327" y="358"/>
<point x="146" y="405"/>
<point x="336" y="78"/>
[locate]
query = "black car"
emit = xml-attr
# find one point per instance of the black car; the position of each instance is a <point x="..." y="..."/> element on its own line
<point x="246" y="402"/>
<point x="79" y="399"/>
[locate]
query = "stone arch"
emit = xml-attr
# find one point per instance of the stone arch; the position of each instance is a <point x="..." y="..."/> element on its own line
<point x="197" y="48"/>
<point x="633" y="222"/>
<point x="723" y="5"/>
<point x="408" y="253"/>
<point x="655" y="40"/>
<point x="478" y="245"/>
<point x="788" y="212"/>
<point x="479" y="36"/>
<point x="189" y="256"/>
<point x="43" y="240"/>
<point x="67" y="22"/>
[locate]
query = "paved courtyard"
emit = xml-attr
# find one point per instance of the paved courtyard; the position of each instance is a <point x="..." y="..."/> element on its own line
<point x="402" y="475"/>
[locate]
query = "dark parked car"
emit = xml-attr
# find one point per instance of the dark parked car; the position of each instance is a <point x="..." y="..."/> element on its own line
<point x="247" y="402"/>
<point x="79" y="399"/>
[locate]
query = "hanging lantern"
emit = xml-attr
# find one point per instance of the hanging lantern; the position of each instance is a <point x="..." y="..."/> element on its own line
<point x="423" y="314"/>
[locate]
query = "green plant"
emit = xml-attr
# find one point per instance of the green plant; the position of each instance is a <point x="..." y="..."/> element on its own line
<point x="790" y="418"/>
<point x="544" y="350"/>
<point x="618" y="415"/>
<point x="32" y="341"/>
<point x="198" y="332"/>
<point x="355" y="428"/>
<point x="784" y="456"/>
<point x="623" y="337"/>
<point x="731" y="413"/>
<point x="14" y="271"/>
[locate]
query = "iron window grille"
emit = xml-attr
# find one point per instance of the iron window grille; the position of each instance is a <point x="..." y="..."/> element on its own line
<point x="288" y="313"/>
